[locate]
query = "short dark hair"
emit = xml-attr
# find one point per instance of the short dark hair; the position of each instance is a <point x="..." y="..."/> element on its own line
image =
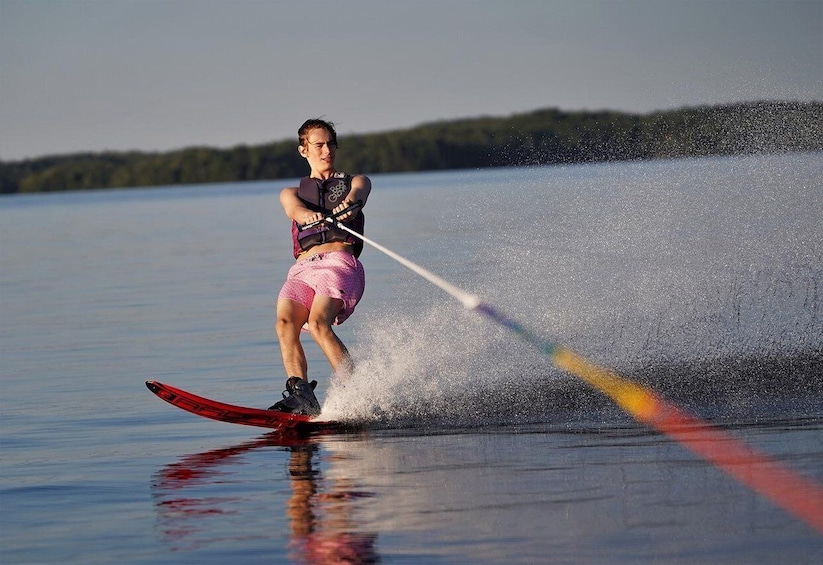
<point x="315" y="123"/>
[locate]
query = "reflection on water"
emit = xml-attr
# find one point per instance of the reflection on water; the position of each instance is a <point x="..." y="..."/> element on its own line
<point x="320" y="511"/>
<point x="558" y="493"/>
<point x="322" y="529"/>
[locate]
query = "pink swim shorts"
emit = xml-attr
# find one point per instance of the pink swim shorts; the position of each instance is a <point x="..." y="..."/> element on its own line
<point x="336" y="274"/>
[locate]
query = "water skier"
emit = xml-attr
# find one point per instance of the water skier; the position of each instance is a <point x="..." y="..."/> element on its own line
<point x="327" y="281"/>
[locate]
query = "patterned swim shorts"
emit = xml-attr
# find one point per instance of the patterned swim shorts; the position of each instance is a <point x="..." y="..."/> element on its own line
<point x="336" y="274"/>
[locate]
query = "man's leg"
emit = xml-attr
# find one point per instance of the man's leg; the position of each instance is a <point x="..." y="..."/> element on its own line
<point x="324" y="310"/>
<point x="291" y="316"/>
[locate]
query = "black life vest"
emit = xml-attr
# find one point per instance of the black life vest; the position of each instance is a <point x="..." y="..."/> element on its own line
<point x="323" y="196"/>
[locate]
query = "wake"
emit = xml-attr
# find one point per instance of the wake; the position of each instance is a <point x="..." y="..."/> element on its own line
<point x="699" y="279"/>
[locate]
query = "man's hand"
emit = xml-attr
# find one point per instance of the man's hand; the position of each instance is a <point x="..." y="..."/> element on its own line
<point x="342" y="206"/>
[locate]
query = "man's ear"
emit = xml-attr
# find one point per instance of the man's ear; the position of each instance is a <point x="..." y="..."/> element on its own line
<point x="302" y="150"/>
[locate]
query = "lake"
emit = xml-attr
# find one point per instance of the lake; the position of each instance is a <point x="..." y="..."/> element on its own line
<point x="699" y="279"/>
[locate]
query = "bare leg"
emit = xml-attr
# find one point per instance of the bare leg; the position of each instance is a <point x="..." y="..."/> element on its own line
<point x="290" y="319"/>
<point x="324" y="310"/>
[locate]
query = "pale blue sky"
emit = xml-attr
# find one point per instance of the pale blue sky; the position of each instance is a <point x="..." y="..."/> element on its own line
<point x="80" y="75"/>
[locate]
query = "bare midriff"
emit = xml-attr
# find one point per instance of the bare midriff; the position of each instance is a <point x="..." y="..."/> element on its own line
<point x="326" y="248"/>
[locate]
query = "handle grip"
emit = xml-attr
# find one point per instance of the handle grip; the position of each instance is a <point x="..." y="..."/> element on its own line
<point x="331" y="218"/>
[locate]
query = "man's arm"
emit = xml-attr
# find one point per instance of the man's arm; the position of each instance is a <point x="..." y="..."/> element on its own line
<point x="360" y="189"/>
<point x="294" y="207"/>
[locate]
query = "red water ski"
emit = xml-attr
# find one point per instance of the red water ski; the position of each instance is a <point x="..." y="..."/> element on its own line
<point x="223" y="412"/>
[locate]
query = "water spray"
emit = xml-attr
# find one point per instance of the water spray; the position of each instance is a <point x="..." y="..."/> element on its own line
<point x="794" y="493"/>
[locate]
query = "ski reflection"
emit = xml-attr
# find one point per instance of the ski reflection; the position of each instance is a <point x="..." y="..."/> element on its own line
<point x="197" y="504"/>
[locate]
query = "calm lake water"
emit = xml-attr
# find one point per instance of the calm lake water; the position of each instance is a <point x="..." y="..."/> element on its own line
<point x="698" y="278"/>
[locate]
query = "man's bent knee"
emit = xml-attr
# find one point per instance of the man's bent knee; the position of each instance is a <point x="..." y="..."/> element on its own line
<point x="290" y="317"/>
<point x="285" y="326"/>
<point x="319" y="328"/>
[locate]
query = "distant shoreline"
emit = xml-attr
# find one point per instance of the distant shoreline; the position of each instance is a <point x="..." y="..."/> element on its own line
<point x="543" y="137"/>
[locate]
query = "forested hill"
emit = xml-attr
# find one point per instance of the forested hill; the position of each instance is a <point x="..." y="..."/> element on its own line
<point x="547" y="136"/>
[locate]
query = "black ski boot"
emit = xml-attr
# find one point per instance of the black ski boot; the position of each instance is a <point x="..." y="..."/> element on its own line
<point x="300" y="399"/>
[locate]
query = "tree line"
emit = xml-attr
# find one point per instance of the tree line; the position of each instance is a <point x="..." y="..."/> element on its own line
<point x="543" y="137"/>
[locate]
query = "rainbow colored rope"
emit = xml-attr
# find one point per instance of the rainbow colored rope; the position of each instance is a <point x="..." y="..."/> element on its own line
<point x="789" y="490"/>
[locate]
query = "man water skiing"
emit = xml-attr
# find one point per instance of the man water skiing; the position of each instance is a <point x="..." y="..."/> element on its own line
<point x="327" y="281"/>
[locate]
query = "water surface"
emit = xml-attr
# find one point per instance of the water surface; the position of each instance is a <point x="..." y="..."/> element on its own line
<point x="698" y="278"/>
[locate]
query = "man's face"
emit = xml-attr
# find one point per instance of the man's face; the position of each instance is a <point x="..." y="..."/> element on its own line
<point x="320" y="150"/>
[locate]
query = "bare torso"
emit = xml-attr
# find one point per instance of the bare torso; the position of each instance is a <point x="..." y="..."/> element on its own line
<point x="326" y="248"/>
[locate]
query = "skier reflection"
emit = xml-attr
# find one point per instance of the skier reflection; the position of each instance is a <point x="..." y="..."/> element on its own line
<point x="321" y="512"/>
<point x="322" y="530"/>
